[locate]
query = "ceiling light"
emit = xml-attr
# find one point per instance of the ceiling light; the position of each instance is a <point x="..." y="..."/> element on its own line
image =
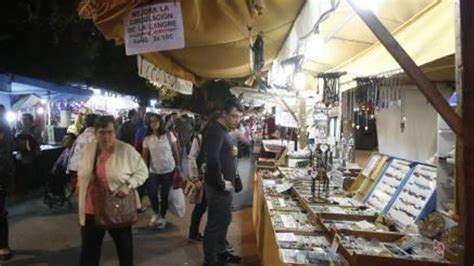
<point x="299" y="81"/>
<point x="367" y="4"/>
<point x="11" y="117"/>
<point x="315" y="46"/>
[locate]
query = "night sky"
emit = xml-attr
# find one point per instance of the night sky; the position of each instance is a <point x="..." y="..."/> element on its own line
<point x="46" y="39"/>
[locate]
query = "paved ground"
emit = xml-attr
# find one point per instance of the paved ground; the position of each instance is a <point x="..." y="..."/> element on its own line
<point x="41" y="236"/>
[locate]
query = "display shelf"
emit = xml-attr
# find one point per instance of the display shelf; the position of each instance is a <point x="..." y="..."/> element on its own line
<point x="416" y="198"/>
<point x="391" y="250"/>
<point x="446" y="189"/>
<point x="367" y="183"/>
<point x="367" y="171"/>
<point x="302" y="237"/>
<point x="282" y="203"/>
<point x="388" y="185"/>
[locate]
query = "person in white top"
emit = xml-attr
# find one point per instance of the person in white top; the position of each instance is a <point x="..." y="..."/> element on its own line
<point x="159" y="151"/>
<point x="85" y="138"/>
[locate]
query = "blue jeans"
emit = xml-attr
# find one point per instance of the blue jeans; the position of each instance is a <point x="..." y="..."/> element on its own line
<point x="161" y="183"/>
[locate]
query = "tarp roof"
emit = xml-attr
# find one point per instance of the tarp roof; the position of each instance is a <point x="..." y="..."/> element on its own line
<point x="216" y="35"/>
<point x="17" y="84"/>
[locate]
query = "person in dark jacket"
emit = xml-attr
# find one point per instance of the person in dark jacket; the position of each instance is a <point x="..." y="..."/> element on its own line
<point x="6" y="172"/>
<point x="127" y="130"/>
<point x="220" y="183"/>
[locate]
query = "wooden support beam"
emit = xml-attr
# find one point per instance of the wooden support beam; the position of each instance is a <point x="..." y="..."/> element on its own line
<point x="411" y="69"/>
<point x="465" y="153"/>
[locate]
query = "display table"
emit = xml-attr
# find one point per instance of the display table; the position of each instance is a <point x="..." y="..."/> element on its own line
<point x="278" y="216"/>
<point x="32" y="176"/>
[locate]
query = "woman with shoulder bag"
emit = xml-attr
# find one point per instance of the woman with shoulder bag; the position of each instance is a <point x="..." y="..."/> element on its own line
<point x="109" y="172"/>
<point x="160" y="151"/>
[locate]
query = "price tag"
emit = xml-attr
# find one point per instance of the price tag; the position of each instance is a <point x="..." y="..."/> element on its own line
<point x="282" y="202"/>
<point x="439" y="248"/>
<point x="269" y="204"/>
<point x="288" y="221"/>
<point x="336" y="241"/>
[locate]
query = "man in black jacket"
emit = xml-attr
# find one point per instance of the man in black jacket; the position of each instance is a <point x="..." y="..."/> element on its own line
<point x="220" y="183"/>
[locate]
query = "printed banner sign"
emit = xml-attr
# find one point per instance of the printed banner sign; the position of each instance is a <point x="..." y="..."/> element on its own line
<point x="152" y="28"/>
<point x="149" y="71"/>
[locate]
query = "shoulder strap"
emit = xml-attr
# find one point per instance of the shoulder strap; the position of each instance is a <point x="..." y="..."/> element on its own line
<point x="96" y="158"/>
<point x="168" y="135"/>
<point x="199" y="140"/>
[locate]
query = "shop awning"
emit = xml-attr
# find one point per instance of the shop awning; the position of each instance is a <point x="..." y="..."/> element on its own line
<point x="17" y="85"/>
<point x="425" y="29"/>
<point x="216" y="34"/>
<point x="429" y="39"/>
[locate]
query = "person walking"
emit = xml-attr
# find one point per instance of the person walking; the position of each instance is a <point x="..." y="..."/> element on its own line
<point x="219" y="178"/>
<point x="127" y="130"/>
<point x="160" y="152"/>
<point x="56" y="189"/>
<point x="85" y="138"/>
<point x="6" y="173"/>
<point x="108" y="166"/>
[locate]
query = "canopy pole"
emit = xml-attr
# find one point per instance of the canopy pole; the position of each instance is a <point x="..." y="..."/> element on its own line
<point x="464" y="27"/>
<point x="411" y="69"/>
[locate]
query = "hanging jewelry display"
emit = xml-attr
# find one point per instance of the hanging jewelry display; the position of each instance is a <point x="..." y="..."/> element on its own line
<point x="320" y="181"/>
<point x="367" y="97"/>
<point x="331" y="88"/>
<point x="402" y="97"/>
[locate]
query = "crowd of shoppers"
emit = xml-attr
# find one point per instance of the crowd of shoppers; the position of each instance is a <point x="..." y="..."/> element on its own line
<point x="109" y="168"/>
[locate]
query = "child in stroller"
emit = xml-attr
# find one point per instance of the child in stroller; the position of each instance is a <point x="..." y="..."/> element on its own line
<point x="58" y="187"/>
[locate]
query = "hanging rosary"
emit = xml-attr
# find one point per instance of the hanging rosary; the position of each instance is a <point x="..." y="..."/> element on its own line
<point x="331" y="88"/>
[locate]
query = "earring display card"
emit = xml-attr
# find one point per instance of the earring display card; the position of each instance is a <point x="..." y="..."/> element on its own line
<point x="282" y="203"/>
<point x="317" y="256"/>
<point x="413" y="200"/>
<point x="294" y="173"/>
<point x="409" y="247"/>
<point x="301" y="242"/>
<point x="388" y="184"/>
<point x="347" y="210"/>
<point x="353" y="226"/>
<point x="292" y="221"/>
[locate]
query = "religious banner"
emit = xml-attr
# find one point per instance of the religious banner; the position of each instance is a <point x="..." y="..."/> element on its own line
<point x="158" y="76"/>
<point x="152" y="28"/>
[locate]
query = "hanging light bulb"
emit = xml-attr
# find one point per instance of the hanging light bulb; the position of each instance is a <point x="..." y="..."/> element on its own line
<point x="366" y="128"/>
<point x="40" y="110"/>
<point x="372" y="116"/>
<point x="353" y="125"/>
<point x="315" y="46"/>
<point x="358" y="127"/>
<point x="299" y="81"/>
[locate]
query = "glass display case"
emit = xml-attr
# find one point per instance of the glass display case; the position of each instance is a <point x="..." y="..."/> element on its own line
<point x="386" y="187"/>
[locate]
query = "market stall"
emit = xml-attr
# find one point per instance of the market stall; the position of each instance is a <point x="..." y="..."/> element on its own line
<point x="399" y="207"/>
<point x="334" y="86"/>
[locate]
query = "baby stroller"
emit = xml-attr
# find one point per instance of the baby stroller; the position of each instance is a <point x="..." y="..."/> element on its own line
<point x="58" y="190"/>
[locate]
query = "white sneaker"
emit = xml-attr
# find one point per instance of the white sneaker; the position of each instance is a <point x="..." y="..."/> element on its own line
<point x="161" y="223"/>
<point x="154" y="220"/>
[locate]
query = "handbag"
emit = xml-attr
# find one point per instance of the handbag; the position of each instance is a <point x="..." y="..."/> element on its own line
<point x="112" y="211"/>
<point x="178" y="180"/>
<point x="238" y="184"/>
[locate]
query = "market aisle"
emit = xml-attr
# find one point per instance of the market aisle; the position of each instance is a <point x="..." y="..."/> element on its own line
<point x="41" y="236"/>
